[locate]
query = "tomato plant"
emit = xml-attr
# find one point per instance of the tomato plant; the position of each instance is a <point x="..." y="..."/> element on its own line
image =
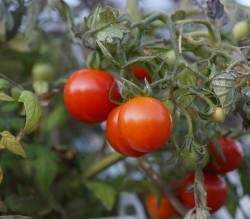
<point x="215" y="187"/>
<point x="162" y="210"/>
<point x="145" y="123"/>
<point x="87" y="95"/>
<point x="140" y="73"/>
<point x="114" y="137"/>
<point x="227" y="156"/>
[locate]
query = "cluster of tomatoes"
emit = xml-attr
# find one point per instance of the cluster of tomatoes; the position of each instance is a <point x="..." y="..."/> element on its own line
<point x="142" y="125"/>
<point x="136" y="127"/>
<point x="226" y="154"/>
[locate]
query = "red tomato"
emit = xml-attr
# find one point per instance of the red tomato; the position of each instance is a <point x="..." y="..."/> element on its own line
<point x="215" y="187"/>
<point x="164" y="211"/>
<point x="232" y="151"/>
<point x="145" y="123"/>
<point x="86" y="95"/>
<point x="115" y="138"/>
<point x="141" y="73"/>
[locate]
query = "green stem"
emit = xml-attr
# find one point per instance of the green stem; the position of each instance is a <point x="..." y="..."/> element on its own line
<point x="155" y="177"/>
<point x="102" y="164"/>
<point x="206" y="23"/>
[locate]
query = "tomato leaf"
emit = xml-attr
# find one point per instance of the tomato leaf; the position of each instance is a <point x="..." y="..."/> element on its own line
<point x="106" y="24"/>
<point x="216" y="13"/>
<point x="34" y="9"/>
<point x="224" y="87"/>
<point x="33" y="109"/>
<point x="11" y="143"/>
<point x="232" y="201"/>
<point x="182" y="96"/>
<point x="5" y="97"/>
<point x="46" y="168"/>
<point x="105" y="193"/>
<point x="1" y="175"/>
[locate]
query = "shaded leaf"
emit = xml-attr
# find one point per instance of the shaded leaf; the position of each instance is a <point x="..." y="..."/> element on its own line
<point x="5" y="97"/>
<point x="11" y="143"/>
<point x="33" y="11"/>
<point x="33" y="109"/>
<point x="216" y="13"/>
<point x="232" y="201"/>
<point x="224" y="87"/>
<point x="46" y="168"/>
<point x="24" y="205"/>
<point x="182" y="96"/>
<point x="105" y="193"/>
<point x="106" y="24"/>
<point x="1" y="175"/>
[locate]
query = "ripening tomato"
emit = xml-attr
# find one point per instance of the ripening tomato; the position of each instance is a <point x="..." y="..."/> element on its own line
<point x="145" y="123"/>
<point x="218" y="115"/>
<point x="215" y="187"/>
<point x="164" y="210"/>
<point x="140" y="73"/>
<point x="232" y="152"/>
<point x="115" y="139"/>
<point x="86" y="95"/>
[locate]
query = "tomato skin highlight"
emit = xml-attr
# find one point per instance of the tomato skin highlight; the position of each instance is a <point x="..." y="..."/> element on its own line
<point x="140" y="73"/>
<point x="145" y="123"/>
<point x="164" y="211"/>
<point x="232" y="151"/>
<point x="215" y="187"/>
<point x="114" y="137"/>
<point x="86" y="95"/>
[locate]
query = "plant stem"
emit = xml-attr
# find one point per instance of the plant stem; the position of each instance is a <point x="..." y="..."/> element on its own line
<point x="11" y="82"/>
<point x="146" y="166"/>
<point x="102" y="164"/>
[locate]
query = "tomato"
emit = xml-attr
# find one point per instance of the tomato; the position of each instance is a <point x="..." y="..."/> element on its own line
<point x="140" y="73"/>
<point x="241" y="29"/>
<point x="170" y="57"/>
<point x="42" y="71"/>
<point x="215" y="187"/>
<point x="115" y="139"/>
<point x="145" y="123"/>
<point x="218" y="115"/>
<point x="86" y="95"/>
<point x="164" y="210"/>
<point x="188" y="159"/>
<point x="232" y="151"/>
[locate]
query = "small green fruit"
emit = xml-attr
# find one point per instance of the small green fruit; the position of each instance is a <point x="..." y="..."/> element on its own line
<point x="241" y="29"/>
<point x="42" y="71"/>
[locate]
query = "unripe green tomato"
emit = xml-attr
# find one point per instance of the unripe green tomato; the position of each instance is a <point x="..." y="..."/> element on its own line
<point x="42" y="71"/>
<point x="241" y="29"/>
<point x="188" y="159"/>
<point x="170" y="57"/>
<point x="218" y="115"/>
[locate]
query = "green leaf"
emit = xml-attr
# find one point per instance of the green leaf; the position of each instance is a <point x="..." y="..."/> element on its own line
<point x="105" y="193"/>
<point x="232" y="201"/>
<point x="106" y="24"/>
<point x="33" y="109"/>
<point x="5" y="97"/>
<point x="46" y="168"/>
<point x="1" y="175"/>
<point x="24" y="205"/>
<point x="34" y="8"/>
<point x="245" y="175"/>
<point x="11" y="143"/>
<point x="182" y="96"/>
<point x="224" y="87"/>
